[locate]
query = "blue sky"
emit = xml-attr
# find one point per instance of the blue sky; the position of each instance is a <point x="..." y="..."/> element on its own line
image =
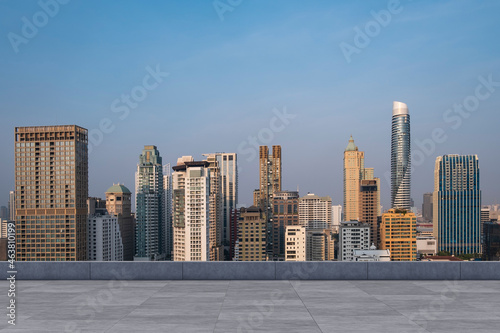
<point x="227" y="76"/>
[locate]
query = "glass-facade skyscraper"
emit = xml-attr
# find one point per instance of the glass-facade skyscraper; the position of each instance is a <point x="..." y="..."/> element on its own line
<point x="150" y="207"/>
<point x="400" y="157"/>
<point x="457" y="204"/>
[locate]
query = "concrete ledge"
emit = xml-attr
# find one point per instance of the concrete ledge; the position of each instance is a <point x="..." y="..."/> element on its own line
<point x="308" y="270"/>
<point x="50" y="270"/>
<point x="229" y="270"/>
<point x="129" y="270"/>
<point x="406" y="270"/>
<point x="321" y="270"/>
<point x="480" y="270"/>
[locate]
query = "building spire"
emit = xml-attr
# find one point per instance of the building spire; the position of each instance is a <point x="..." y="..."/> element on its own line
<point x="351" y="146"/>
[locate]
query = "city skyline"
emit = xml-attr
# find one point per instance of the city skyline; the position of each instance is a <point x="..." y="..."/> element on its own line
<point x="321" y="97"/>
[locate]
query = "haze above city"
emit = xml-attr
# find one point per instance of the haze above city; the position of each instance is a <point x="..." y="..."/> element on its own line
<point x="235" y="72"/>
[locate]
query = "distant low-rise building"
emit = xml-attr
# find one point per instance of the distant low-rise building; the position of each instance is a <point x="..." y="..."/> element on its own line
<point x="372" y="254"/>
<point x="426" y="245"/>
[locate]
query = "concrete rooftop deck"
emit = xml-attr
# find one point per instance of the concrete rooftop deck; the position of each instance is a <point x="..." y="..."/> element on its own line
<point x="254" y="306"/>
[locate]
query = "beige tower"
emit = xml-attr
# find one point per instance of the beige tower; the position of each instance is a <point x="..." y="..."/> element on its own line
<point x="119" y="204"/>
<point x="216" y="210"/>
<point x="51" y="193"/>
<point x="354" y="172"/>
<point x="252" y="234"/>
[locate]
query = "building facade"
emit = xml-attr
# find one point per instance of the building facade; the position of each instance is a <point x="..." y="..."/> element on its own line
<point x="398" y="234"/>
<point x="491" y="241"/>
<point x="167" y="195"/>
<point x="252" y="228"/>
<point x="150" y="207"/>
<point x="313" y="208"/>
<point x="320" y="245"/>
<point x="400" y="157"/>
<point x="104" y="242"/>
<point x="369" y="206"/>
<point x="119" y="205"/>
<point x="51" y="190"/>
<point x="427" y="210"/>
<point x="191" y="207"/>
<point x="457" y="204"/>
<point x="216" y="209"/>
<point x="354" y="172"/>
<point x="336" y="217"/>
<point x="12" y="206"/>
<point x="285" y="213"/>
<point x="295" y="246"/>
<point x="353" y="235"/>
<point x="228" y="165"/>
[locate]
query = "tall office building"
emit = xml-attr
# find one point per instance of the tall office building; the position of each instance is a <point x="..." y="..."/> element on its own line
<point x="119" y="205"/>
<point x="369" y="206"/>
<point x="191" y="203"/>
<point x="319" y="245"/>
<point x="314" y="209"/>
<point x="252" y="227"/>
<point x="336" y="216"/>
<point x="427" y="210"/>
<point x="51" y="190"/>
<point x="398" y="234"/>
<point x="168" y="192"/>
<point x="491" y="241"/>
<point x="354" y="166"/>
<point x="285" y="212"/>
<point x="457" y="204"/>
<point x="216" y="210"/>
<point x="104" y="241"/>
<point x="400" y="157"/>
<point x="228" y="165"/>
<point x="12" y="208"/>
<point x="150" y="207"/>
<point x="269" y="183"/>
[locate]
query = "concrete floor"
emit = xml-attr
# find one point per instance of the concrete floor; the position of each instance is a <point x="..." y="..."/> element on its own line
<point x="254" y="306"/>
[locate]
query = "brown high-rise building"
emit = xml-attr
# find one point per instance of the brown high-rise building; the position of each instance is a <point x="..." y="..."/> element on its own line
<point x="369" y="206"/>
<point x="269" y="183"/>
<point x="51" y="185"/>
<point x="119" y="204"/>
<point x="285" y="213"/>
<point x="251" y="235"/>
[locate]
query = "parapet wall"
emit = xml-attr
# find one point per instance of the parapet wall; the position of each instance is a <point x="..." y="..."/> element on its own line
<point x="309" y="270"/>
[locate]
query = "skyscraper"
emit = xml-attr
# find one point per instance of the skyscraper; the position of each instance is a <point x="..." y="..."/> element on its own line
<point x="228" y="165"/>
<point x="119" y="204"/>
<point x="369" y="206"/>
<point x="168" y="192"/>
<point x="150" y="207"/>
<point x="191" y="203"/>
<point x="285" y="212"/>
<point x="269" y="183"/>
<point x="315" y="212"/>
<point x="51" y="190"/>
<point x="457" y="204"/>
<point x="215" y="210"/>
<point x="400" y="157"/>
<point x="104" y="238"/>
<point x="427" y="210"/>
<point x="354" y="166"/>
<point x="252" y="235"/>
<point x="12" y="208"/>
